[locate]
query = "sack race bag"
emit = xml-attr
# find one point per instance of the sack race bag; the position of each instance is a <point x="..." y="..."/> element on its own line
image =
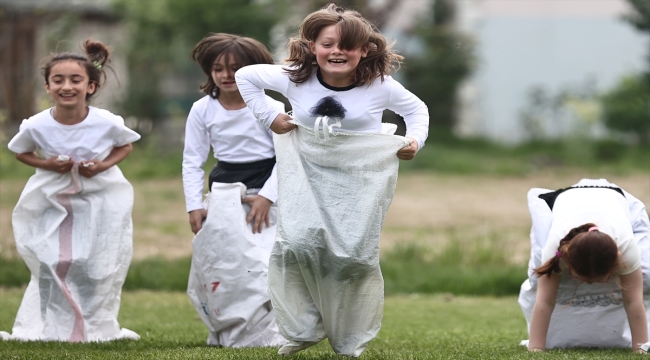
<point x="592" y="315"/>
<point x="75" y="235"/>
<point x="324" y="275"/>
<point x="228" y="278"/>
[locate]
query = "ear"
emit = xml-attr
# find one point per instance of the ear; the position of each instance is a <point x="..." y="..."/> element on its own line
<point x="364" y="52"/>
<point x="47" y="87"/>
<point x="312" y="46"/>
<point x="91" y="87"/>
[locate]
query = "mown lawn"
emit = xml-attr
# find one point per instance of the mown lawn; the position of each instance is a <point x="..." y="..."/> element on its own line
<point x="414" y="327"/>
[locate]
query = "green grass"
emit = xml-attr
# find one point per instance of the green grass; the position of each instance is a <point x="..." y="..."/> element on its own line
<point x="443" y="153"/>
<point x="470" y="269"/>
<point x="414" y="327"/>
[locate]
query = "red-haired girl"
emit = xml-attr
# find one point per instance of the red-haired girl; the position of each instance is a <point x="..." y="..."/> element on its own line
<point x="590" y="253"/>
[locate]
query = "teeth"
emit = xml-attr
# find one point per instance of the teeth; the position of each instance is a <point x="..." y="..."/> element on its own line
<point x="337" y="61"/>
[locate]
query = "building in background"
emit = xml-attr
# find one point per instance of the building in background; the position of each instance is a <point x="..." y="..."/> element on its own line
<point x="542" y="44"/>
<point x="30" y="30"/>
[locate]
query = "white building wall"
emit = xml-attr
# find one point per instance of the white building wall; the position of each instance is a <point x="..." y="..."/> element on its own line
<point x="552" y="44"/>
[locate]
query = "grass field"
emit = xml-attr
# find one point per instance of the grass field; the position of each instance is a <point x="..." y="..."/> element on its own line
<point x="428" y="209"/>
<point x="414" y="327"/>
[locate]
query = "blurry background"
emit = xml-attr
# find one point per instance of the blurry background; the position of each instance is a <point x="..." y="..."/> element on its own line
<point x="522" y="93"/>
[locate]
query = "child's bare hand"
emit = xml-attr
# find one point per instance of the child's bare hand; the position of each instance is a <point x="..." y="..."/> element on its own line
<point x="62" y="167"/>
<point x="196" y="219"/>
<point x="259" y="214"/>
<point x="281" y="124"/>
<point x="91" y="168"/>
<point x="408" y="152"/>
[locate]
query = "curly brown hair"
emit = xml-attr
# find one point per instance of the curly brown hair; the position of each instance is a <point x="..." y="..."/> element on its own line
<point x="244" y="51"/>
<point x="355" y="32"/>
<point x="96" y="58"/>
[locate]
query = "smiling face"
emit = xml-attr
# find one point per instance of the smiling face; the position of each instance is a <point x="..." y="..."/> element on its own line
<point x="68" y="84"/>
<point x="223" y="73"/>
<point x="337" y="65"/>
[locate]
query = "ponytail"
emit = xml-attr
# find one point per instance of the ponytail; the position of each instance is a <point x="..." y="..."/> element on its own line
<point x="553" y="265"/>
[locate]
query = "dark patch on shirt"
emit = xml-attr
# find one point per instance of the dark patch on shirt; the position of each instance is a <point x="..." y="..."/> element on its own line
<point x="328" y="106"/>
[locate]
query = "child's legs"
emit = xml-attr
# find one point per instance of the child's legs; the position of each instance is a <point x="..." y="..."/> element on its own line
<point x="351" y="302"/>
<point x="323" y="295"/>
<point x="296" y="313"/>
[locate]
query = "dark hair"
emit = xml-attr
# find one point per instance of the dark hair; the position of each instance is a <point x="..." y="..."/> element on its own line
<point x="96" y="58"/>
<point x="244" y="50"/>
<point x="589" y="254"/>
<point x="355" y="32"/>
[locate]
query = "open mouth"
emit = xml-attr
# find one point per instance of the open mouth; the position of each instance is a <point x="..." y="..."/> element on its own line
<point x="67" y="96"/>
<point x="337" y="61"/>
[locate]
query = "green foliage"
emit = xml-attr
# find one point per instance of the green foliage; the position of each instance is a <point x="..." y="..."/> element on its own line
<point x="449" y="155"/>
<point x="447" y="58"/>
<point x="13" y="272"/>
<point x="477" y="269"/>
<point x="627" y="107"/>
<point x="443" y="153"/>
<point x="158" y="274"/>
<point x="162" y="35"/>
<point x="640" y="19"/>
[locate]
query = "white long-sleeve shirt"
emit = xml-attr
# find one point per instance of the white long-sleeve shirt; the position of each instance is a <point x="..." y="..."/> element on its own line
<point x="235" y="136"/>
<point x="607" y="209"/>
<point x="364" y="105"/>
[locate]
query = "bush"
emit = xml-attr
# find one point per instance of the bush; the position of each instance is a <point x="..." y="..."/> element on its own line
<point x="626" y="107"/>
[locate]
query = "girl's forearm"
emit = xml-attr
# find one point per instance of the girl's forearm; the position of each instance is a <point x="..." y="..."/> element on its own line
<point x="31" y="159"/>
<point x="632" y="289"/>
<point x="539" y="323"/>
<point x="117" y="155"/>
<point x="638" y="323"/>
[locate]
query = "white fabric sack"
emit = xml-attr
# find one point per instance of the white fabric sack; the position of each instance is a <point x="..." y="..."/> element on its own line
<point x="324" y="274"/>
<point x="594" y="316"/>
<point x="228" y="277"/>
<point x="75" y="235"/>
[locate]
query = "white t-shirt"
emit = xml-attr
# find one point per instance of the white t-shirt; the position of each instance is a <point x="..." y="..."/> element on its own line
<point x="235" y="136"/>
<point x="93" y="138"/>
<point x="606" y="208"/>
<point x="363" y="106"/>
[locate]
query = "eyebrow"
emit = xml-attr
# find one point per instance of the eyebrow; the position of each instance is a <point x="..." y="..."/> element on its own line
<point x="73" y="75"/>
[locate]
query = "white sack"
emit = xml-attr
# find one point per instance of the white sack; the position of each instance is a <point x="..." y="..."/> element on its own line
<point x="324" y="274"/>
<point x="594" y="316"/>
<point x="228" y="278"/>
<point x="75" y="235"/>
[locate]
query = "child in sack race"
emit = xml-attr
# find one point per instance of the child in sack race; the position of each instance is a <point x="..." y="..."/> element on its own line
<point x="72" y="223"/>
<point x="591" y="255"/>
<point x="337" y="170"/>
<point x="235" y="228"/>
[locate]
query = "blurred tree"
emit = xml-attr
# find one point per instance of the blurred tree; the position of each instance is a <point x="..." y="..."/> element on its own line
<point x="626" y="107"/>
<point x="376" y="13"/>
<point x="446" y="59"/>
<point x="641" y="20"/>
<point x="162" y="34"/>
